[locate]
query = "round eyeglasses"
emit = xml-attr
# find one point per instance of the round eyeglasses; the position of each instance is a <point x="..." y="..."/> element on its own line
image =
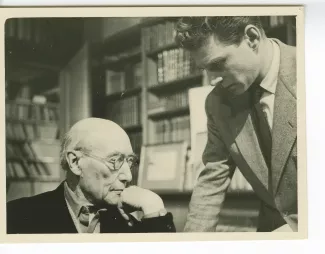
<point x="116" y="161"/>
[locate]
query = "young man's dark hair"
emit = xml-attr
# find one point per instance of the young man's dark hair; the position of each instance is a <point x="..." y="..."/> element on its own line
<point x="192" y="32"/>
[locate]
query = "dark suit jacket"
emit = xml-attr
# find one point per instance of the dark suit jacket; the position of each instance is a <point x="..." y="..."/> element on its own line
<point x="231" y="137"/>
<point x="48" y="213"/>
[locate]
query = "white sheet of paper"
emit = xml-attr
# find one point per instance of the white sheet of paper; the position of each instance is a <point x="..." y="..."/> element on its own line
<point x="197" y="97"/>
<point x="162" y="166"/>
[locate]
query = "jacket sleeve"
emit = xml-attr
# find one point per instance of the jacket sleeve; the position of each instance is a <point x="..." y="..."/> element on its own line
<point x="156" y="225"/>
<point x="209" y="192"/>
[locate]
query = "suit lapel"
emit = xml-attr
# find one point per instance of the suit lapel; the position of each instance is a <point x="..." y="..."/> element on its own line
<point x="61" y="220"/>
<point x="284" y="117"/>
<point x="238" y="115"/>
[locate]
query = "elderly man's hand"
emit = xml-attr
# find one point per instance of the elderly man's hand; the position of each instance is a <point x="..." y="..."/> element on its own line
<point x="140" y="199"/>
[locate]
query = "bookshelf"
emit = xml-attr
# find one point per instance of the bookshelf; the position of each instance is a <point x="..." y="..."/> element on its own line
<point x="147" y="78"/>
<point x="121" y="67"/>
<point x="170" y="72"/>
<point x="155" y="109"/>
<point x="32" y="148"/>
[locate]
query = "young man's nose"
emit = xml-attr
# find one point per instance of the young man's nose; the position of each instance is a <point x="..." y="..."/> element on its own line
<point x="214" y="78"/>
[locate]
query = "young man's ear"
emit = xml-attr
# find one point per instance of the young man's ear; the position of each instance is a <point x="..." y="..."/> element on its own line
<point x="252" y="36"/>
<point x="72" y="160"/>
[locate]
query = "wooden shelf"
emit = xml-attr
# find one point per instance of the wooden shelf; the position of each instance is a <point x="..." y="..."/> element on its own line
<point x="169" y="113"/>
<point x="36" y="140"/>
<point x="55" y="90"/>
<point x="170" y="195"/>
<point x="186" y="82"/>
<point x="119" y="63"/>
<point x="133" y="128"/>
<point x="33" y="160"/>
<point x="34" y="179"/>
<point x="165" y="194"/>
<point x="154" y="53"/>
<point x="124" y="94"/>
<point x="31" y="104"/>
<point x="35" y="122"/>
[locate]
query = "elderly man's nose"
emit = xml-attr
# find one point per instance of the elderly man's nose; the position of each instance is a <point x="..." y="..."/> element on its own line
<point x="125" y="173"/>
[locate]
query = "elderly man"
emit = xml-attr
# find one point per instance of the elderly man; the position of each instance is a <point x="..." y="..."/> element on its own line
<point x="251" y="119"/>
<point x="97" y="157"/>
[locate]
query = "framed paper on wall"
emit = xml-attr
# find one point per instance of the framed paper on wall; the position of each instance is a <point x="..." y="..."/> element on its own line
<point x="162" y="167"/>
<point x="198" y="119"/>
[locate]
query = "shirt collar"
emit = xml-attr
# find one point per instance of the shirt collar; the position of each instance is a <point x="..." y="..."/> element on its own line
<point x="270" y="81"/>
<point x="73" y="201"/>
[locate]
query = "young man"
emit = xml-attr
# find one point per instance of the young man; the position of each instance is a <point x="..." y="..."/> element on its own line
<point x="251" y="119"/>
<point x="97" y="157"/>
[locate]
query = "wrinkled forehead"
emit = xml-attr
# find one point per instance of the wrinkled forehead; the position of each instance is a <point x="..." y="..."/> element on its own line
<point x="107" y="144"/>
<point x="103" y="143"/>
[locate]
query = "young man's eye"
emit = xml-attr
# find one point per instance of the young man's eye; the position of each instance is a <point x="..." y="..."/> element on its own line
<point x="216" y="67"/>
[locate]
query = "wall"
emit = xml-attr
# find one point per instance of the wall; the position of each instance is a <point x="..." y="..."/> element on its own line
<point x="75" y="90"/>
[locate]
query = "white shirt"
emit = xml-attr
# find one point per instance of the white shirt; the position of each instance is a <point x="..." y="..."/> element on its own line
<point x="74" y="207"/>
<point x="269" y="84"/>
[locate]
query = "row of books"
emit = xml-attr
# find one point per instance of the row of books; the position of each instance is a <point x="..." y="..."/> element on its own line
<point x="29" y="169"/>
<point x="172" y="130"/>
<point x="30" y="131"/>
<point x="119" y="81"/>
<point x="174" y="64"/>
<point x="159" y="35"/>
<point x="35" y="150"/>
<point x="26" y="110"/>
<point x="126" y="112"/>
<point x="27" y="29"/>
<point x="136" y="142"/>
<point x="168" y="102"/>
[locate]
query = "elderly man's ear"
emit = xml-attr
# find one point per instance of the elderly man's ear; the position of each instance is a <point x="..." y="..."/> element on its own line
<point x="72" y="160"/>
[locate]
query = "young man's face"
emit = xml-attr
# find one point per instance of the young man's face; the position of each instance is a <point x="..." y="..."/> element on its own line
<point x="237" y="65"/>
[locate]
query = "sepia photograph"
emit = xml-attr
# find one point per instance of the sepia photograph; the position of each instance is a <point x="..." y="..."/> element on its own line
<point x="153" y="124"/>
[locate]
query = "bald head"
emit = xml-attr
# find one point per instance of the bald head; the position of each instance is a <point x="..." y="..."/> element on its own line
<point x="96" y="135"/>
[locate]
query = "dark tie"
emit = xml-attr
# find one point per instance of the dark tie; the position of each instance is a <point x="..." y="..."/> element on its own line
<point x="263" y="129"/>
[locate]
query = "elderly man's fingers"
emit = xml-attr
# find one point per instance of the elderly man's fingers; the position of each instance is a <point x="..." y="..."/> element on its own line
<point x="120" y="209"/>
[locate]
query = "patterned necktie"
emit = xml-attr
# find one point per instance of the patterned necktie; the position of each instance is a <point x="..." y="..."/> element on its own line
<point x="263" y="130"/>
<point x="84" y="218"/>
<point x="84" y="215"/>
